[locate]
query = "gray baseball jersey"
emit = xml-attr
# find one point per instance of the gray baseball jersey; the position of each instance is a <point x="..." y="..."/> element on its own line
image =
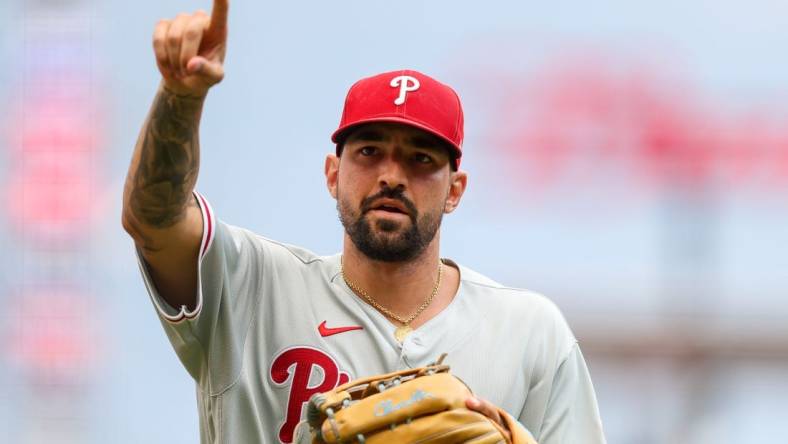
<point x="275" y="324"/>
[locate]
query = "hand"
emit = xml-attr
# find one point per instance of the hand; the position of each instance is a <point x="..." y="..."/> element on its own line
<point x="190" y="50"/>
<point x="489" y="410"/>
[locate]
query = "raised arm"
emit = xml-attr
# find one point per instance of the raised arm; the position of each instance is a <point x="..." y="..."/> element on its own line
<point x="159" y="210"/>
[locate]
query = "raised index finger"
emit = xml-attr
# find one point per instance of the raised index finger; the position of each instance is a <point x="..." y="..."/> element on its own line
<point x="219" y="14"/>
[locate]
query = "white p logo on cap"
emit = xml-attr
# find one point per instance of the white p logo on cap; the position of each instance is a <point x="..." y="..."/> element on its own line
<point x="406" y="84"/>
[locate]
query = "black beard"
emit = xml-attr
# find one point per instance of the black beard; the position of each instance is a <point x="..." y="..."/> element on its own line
<point x="389" y="246"/>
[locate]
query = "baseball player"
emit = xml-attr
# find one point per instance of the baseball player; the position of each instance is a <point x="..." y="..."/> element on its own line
<point x="261" y="326"/>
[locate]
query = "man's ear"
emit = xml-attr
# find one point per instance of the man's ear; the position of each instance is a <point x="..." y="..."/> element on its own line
<point x="332" y="173"/>
<point x="458" y="182"/>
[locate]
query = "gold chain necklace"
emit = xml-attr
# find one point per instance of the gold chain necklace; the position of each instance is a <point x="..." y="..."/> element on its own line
<point x="402" y="331"/>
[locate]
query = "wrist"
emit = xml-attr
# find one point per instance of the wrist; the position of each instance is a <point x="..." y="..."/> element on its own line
<point x="182" y="93"/>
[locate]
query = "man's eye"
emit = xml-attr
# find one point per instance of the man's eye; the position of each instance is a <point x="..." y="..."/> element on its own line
<point x="368" y="150"/>
<point x="422" y="158"/>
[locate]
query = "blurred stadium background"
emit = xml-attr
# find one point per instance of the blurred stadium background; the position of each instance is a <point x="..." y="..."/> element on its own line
<point x="627" y="159"/>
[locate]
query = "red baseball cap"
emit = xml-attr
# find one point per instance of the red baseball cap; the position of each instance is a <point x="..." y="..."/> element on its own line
<point x="408" y="97"/>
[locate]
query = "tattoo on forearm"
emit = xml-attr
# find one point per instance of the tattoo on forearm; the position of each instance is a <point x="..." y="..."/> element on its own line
<point x="169" y="160"/>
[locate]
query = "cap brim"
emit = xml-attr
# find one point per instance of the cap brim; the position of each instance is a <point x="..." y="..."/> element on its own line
<point x="340" y="134"/>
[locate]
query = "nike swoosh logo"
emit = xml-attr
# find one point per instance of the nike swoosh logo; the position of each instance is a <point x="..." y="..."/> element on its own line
<point x="328" y="331"/>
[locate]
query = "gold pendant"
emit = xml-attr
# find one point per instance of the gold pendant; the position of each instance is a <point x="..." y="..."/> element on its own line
<point x="402" y="332"/>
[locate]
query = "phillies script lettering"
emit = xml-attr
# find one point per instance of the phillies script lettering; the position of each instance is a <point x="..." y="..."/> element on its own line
<point x="296" y="367"/>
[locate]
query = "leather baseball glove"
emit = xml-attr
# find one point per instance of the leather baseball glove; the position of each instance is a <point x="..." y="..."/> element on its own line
<point x="422" y="405"/>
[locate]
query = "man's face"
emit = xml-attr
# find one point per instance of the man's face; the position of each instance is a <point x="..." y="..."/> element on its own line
<point x="392" y="184"/>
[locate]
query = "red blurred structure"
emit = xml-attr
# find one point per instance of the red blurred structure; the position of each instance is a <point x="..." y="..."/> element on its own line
<point x="590" y="118"/>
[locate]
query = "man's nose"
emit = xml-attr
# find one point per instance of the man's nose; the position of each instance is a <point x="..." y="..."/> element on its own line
<point x="392" y="173"/>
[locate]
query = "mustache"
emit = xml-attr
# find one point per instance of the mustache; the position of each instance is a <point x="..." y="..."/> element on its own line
<point x="389" y="193"/>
